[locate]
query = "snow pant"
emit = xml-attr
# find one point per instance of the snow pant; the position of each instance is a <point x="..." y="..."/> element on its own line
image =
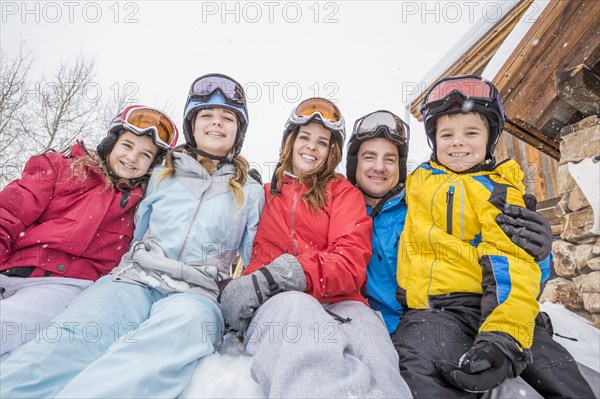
<point x="425" y="336"/>
<point x="116" y="340"/>
<point x="301" y="351"/>
<point x="27" y="304"/>
<point x="554" y="372"/>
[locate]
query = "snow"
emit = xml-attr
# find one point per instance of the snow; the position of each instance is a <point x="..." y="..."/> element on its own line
<point x="226" y="374"/>
<point x="587" y="175"/>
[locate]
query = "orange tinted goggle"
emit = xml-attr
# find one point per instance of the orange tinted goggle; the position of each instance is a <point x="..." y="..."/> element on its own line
<point x="324" y="107"/>
<point x="142" y="120"/>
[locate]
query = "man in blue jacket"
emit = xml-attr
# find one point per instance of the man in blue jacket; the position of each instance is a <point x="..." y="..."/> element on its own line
<point x="377" y="164"/>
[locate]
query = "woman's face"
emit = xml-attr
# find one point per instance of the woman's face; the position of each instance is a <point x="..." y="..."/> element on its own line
<point x="215" y="130"/>
<point x="310" y="149"/>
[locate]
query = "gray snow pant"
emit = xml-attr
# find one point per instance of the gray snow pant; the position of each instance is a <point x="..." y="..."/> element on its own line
<point x="301" y="351"/>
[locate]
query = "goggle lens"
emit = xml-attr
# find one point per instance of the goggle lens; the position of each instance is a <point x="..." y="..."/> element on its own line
<point x="468" y="87"/>
<point x="321" y="106"/>
<point x="207" y="85"/>
<point x="372" y="122"/>
<point x="147" y="118"/>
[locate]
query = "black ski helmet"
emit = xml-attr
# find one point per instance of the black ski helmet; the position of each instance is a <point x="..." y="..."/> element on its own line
<point x="463" y="94"/>
<point x="383" y="124"/>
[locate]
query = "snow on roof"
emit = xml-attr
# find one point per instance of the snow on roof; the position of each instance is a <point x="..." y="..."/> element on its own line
<point x="475" y="34"/>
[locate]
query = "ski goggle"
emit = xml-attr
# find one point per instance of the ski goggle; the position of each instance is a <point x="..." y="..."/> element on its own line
<point x="370" y="125"/>
<point x="205" y="86"/>
<point x="468" y="86"/>
<point x="143" y="121"/>
<point x="461" y="89"/>
<point x="327" y="112"/>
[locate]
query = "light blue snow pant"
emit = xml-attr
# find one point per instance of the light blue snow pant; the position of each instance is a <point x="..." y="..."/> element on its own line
<point x="116" y="340"/>
<point x="300" y="351"/>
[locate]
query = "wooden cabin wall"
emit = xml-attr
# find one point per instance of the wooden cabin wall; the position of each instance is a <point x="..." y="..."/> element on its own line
<point x="540" y="170"/>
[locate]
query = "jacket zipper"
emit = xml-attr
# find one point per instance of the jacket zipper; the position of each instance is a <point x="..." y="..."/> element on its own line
<point x="293" y="222"/>
<point x="187" y="235"/>
<point x="449" y="210"/>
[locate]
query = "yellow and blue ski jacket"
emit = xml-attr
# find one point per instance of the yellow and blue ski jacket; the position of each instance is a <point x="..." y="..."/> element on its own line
<point x="452" y="247"/>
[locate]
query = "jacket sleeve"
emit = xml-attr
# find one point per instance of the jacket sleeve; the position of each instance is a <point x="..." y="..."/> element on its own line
<point x="510" y="276"/>
<point x="24" y="200"/>
<point x="255" y="203"/>
<point x="340" y="268"/>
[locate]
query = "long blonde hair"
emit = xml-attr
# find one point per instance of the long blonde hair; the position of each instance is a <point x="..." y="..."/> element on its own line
<point x="316" y="196"/>
<point x="236" y="183"/>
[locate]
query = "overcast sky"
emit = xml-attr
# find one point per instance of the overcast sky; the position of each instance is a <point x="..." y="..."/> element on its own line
<point x="364" y="55"/>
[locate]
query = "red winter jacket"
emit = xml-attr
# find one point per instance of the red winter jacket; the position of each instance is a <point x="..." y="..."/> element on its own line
<point x="62" y="224"/>
<point x="333" y="245"/>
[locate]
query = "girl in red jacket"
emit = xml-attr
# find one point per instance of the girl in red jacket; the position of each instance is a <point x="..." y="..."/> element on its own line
<point x="317" y="337"/>
<point x="69" y="219"/>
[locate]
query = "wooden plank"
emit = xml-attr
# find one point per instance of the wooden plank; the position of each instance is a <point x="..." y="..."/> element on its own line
<point x="527" y="83"/>
<point x="479" y="55"/>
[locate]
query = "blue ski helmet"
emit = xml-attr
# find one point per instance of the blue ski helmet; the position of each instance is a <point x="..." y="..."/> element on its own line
<point x="216" y="90"/>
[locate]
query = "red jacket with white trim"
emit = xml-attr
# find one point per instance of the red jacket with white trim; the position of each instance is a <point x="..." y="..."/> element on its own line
<point x="333" y="244"/>
<point x="61" y="223"/>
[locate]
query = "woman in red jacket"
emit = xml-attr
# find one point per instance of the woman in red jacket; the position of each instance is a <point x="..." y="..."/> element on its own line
<point x="69" y="219"/>
<point x="317" y="337"/>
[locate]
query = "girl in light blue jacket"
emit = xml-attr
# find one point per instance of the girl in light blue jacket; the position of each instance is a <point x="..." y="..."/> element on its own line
<point x="141" y="331"/>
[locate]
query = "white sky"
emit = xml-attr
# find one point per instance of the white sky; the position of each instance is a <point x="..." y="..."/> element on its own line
<point x="365" y="55"/>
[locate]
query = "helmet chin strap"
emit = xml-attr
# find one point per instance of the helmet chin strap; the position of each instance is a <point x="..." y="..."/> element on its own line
<point x="384" y="198"/>
<point x="227" y="158"/>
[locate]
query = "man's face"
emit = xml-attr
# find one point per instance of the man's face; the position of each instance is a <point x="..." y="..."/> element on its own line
<point x="377" y="170"/>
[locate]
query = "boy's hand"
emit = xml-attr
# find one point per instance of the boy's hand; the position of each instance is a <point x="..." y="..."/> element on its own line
<point x="527" y="229"/>
<point x="481" y="368"/>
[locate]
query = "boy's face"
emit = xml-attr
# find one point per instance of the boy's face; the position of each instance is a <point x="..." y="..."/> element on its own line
<point x="461" y="141"/>
<point x="132" y="155"/>
<point x="215" y="130"/>
<point x="377" y="169"/>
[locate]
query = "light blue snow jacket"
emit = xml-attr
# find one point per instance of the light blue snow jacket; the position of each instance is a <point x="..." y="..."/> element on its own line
<point x="381" y="271"/>
<point x="188" y="230"/>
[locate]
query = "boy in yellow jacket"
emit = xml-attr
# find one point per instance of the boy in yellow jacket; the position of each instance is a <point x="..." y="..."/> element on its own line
<point x="469" y="293"/>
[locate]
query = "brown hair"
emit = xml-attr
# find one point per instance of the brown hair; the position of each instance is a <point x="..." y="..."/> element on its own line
<point x="316" y="196"/>
<point x="236" y="183"/>
<point x="91" y="160"/>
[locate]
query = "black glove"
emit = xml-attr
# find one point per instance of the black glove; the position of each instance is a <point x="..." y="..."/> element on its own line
<point x="245" y="294"/>
<point x="480" y="369"/>
<point x="527" y="229"/>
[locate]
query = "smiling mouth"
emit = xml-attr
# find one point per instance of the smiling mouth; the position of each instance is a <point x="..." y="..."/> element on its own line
<point x="459" y="154"/>
<point x="377" y="177"/>
<point x="308" y="158"/>
<point x="215" y="134"/>
<point x="127" y="166"/>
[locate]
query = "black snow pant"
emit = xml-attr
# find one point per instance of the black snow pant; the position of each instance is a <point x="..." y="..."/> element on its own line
<point x="425" y="336"/>
<point x="554" y="372"/>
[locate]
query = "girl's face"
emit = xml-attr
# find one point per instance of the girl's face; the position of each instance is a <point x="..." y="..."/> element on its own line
<point x="310" y="149"/>
<point x="132" y="155"/>
<point x="215" y="130"/>
<point x="461" y="141"/>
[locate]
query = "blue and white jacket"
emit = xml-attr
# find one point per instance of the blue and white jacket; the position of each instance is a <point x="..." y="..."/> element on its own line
<point x="189" y="229"/>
